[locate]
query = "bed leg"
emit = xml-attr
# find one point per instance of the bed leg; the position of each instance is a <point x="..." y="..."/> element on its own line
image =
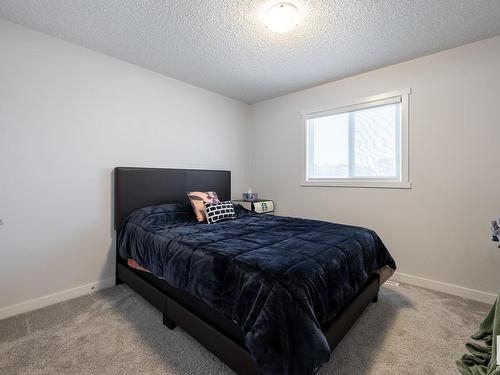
<point x="168" y="322"/>
<point x="375" y="299"/>
<point x="117" y="278"/>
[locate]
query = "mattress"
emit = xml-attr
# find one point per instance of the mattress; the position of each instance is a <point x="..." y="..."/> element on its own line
<point x="278" y="278"/>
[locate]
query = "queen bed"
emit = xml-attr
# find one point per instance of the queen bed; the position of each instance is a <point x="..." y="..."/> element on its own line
<point x="266" y="294"/>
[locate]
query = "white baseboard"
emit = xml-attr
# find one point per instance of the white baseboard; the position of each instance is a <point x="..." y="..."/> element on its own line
<point x="51" y="299"/>
<point x="439" y="286"/>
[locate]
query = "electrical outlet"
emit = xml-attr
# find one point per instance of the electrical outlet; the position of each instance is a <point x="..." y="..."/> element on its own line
<point x="391" y="283"/>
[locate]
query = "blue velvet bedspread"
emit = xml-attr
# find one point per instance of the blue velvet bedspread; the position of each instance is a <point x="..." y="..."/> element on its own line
<point x="279" y="278"/>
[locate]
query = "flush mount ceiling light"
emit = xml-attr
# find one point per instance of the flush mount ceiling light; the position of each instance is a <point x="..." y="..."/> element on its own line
<point x="282" y="17"/>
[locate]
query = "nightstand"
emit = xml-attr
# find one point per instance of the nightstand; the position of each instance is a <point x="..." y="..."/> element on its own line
<point x="261" y="206"/>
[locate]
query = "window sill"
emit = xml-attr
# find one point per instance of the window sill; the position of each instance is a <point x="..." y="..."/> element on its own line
<point x="358" y="184"/>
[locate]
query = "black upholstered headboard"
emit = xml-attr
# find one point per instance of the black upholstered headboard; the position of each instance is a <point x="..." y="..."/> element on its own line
<point x="140" y="187"/>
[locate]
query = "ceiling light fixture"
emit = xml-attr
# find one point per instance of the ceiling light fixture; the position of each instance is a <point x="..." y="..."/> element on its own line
<point x="282" y="17"/>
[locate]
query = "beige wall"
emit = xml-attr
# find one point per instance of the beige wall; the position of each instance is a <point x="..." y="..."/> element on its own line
<point x="67" y="117"/>
<point x="438" y="230"/>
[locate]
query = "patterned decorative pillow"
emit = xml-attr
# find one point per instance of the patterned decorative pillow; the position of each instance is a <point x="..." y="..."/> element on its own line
<point x="198" y="200"/>
<point x="219" y="211"/>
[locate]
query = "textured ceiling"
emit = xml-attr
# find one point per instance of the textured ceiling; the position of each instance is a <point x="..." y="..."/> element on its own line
<point x="221" y="45"/>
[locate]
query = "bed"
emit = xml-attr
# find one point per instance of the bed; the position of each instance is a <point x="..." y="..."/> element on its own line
<point x="266" y="294"/>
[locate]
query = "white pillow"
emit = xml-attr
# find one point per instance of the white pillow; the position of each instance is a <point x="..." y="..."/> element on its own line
<point x="215" y="212"/>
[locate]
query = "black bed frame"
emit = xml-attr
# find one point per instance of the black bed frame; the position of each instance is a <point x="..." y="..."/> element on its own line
<point x="139" y="187"/>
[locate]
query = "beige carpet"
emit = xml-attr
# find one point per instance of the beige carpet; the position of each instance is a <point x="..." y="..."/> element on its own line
<point x="409" y="331"/>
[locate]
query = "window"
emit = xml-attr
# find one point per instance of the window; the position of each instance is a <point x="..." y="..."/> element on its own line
<point x="359" y="144"/>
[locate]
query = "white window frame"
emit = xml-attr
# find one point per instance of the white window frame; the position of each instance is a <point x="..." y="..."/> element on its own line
<point x="402" y="182"/>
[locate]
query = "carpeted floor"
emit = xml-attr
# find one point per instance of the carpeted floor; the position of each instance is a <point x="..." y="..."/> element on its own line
<point x="409" y="331"/>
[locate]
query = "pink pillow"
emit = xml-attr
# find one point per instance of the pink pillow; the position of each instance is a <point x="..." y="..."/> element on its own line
<point x="198" y="200"/>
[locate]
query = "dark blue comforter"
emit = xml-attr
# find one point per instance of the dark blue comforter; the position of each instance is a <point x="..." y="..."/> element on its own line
<point x="279" y="278"/>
